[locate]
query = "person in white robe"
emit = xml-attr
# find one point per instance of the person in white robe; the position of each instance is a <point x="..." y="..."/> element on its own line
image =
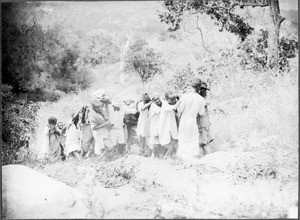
<point x="73" y="141"/>
<point x="168" y="131"/>
<point x="143" y="123"/>
<point x="154" y="114"/>
<point x="191" y="104"/>
<point x="51" y="140"/>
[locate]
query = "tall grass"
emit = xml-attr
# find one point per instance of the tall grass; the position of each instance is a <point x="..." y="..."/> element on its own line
<point x="258" y="113"/>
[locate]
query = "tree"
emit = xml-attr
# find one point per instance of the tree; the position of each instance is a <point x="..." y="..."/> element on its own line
<point x="123" y="41"/>
<point x="221" y="11"/>
<point x="254" y="51"/>
<point x="143" y="60"/>
<point x="36" y="60"/>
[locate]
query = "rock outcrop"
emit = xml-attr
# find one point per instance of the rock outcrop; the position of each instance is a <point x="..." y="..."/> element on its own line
<point x="27" y="193"/>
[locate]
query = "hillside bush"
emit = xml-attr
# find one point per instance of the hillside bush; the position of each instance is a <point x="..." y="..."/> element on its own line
<point x="182" y="78"/>
<point x="18" y="124"/>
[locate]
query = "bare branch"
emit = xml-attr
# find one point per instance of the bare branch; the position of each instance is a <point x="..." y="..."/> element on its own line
<point x="185" y="29"/>
<point x="281" y="19"/>
<point x="34" y="23"/>
<point x="25" y="19"/>
<point x="201" y="33"/>
<point x="253" y="3"/>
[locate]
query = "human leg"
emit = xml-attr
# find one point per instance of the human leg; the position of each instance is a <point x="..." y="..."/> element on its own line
<point x="142" y="143"/>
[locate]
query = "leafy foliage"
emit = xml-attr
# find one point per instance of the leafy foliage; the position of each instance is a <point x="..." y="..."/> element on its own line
<point x="98" y="49"/>
<point x="37" y="60"/>
<point x="38" y="65"/>
<point x="18" y="121"/>
<point x="217" y="10"/>
<point x="143" y="60"/>
<point x="182" y="78"/>
<point x="255" y="51"/>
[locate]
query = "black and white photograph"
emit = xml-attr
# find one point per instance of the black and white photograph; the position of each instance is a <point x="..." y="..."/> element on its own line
<point x="171" y="109"/>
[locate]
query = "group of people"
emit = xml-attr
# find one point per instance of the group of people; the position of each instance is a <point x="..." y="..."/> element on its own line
<point x="178" y="125"/>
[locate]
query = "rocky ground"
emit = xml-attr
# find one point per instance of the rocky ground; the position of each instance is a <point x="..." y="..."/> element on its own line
<point x="220" y="185"/>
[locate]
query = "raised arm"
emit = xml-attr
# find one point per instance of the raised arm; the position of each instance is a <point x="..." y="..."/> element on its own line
<point x="143" y="106"/>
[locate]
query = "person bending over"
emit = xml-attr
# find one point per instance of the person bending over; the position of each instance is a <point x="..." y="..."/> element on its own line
<point x="100" y="127"/>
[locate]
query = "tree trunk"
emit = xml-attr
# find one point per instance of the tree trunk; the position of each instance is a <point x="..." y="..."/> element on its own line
<point x="273" y="38"/>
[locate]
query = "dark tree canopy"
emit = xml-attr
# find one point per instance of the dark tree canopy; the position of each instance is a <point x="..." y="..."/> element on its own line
<point x="220" y="11"/>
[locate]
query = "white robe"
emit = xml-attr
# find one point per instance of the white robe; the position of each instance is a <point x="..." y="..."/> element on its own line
<point x="167" y="124"/>
<point x="50" y="144"/>
<point x="188" y="135"/>
<point x="142" y="125"/>
<point x="154" y="113"/>
<point x="73" y="142"/>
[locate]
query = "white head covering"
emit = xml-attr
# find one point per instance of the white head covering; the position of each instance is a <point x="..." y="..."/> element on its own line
<point x="98" y="94"/>
<point x="117" y="102"/>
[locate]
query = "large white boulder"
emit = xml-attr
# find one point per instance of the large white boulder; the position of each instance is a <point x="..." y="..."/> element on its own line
<point x="27" y="193"/>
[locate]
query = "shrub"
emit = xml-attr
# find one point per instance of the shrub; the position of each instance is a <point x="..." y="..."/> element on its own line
<point x="144" y="61"/>
<point x="182" y="78"/>
<point x="18" y="120"/>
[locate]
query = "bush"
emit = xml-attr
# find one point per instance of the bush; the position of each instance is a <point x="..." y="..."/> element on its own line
<point x="144" y="61"/>
<point x="18" y="120"/>
<point x="182" y="78"/>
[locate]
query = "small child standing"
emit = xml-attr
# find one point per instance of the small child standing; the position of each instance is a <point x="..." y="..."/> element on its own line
<point x="143" y="124"/>
<point x="51" y="139"/>
<point x="73" y="142"/>
<point x="203" y="122"/>
<point x="168" y="129"/>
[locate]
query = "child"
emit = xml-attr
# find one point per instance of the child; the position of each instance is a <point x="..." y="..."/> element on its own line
<point x="143" y="123"/>
<point x="168" y="129"/>
<point x="203" y="122"/>
<point x="73" y="143"/>
<point x="51" y="139"/>
<point x="154" y="113"/>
